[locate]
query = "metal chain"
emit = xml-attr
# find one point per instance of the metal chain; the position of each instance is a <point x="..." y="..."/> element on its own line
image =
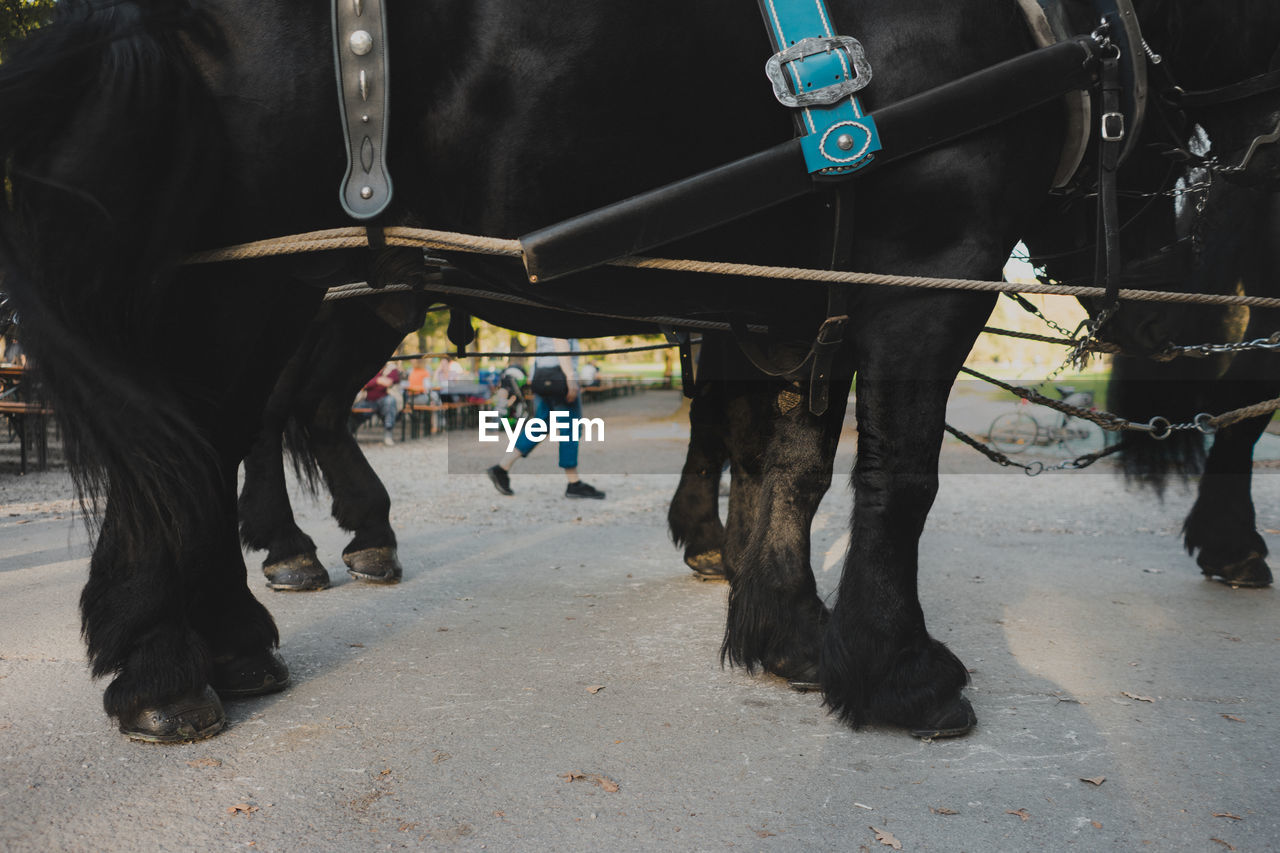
<point x="1033" y="469"/>
<point x="1271" y="343"/>
<point x="1158" y="427"/>
<point x="1032" y="309"/>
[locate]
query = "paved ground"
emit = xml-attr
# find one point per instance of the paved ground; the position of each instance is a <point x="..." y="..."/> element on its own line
<point x="547" y="678"/>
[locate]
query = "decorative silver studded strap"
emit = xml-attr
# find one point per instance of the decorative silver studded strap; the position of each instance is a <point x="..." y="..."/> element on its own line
<point x="360" y="59"/>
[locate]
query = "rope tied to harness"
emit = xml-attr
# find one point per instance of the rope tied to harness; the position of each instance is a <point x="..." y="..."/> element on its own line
<point x="424" y="238"/>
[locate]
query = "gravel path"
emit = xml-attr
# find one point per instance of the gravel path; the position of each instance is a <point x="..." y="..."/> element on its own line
<point x="547" y="677"/>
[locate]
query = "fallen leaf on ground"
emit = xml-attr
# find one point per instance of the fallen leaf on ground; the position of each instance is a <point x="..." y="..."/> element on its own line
<point x="886" y="838"/>
<point x="1228" y="814"/>
<point x="241" y="808"/>
<point x="1096" y="825"/>
<point x="1223" y="843"/>
<point x="1022" y="813"/>
<point x="595" y="688"/>
<point x="1233" y="718"/>
<point x="764" y="833"/>
<point x="943" y="810"/>
<point x="205" y="762"/>
<point x="604" y="782"/>
<point x="1136" y="697"/>
<point x="1096" y="780"/>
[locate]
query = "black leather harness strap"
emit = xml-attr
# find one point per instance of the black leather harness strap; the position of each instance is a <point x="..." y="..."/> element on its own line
<point x="831" y="332"/>
<point x="1111" y="137"/>
<point x="360" y="59"/>
<point x="1259" y="85"/>
<point x="683" y="341"/>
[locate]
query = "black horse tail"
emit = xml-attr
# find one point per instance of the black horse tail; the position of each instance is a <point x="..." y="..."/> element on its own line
<point x="306" y="467"/>
<point x="106" y="143"/>
<point x="1141" y="389"/>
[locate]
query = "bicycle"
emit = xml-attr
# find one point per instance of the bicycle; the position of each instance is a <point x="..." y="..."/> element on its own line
<point x="1017" y="431"/>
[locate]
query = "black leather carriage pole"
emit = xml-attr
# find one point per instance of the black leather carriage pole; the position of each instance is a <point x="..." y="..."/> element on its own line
<point x="771" y="177"/>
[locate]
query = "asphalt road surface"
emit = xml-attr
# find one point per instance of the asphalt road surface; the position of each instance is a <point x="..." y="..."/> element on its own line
<point x="547" y="678"/>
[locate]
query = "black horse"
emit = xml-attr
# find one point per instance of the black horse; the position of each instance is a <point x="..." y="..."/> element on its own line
<point x="136" y="132"/>
<point x="1232" y="232"/>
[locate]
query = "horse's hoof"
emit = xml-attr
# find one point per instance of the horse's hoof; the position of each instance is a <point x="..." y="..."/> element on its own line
<point x="805" y="682"/>
<point x="296" y="574"/>
<point x="709" y="565"/>
<point x="952" y="720"/>
<point x="1252" y="571"/>
<point x="195" y="716"/>
<point x="800" y="676"/>
<point x="376" y="565"/>
<point x="254" y="674"/>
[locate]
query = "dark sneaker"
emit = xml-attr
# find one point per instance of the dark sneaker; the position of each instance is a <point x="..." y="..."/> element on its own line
<point x="582" y="490"/>
<point x="501" y="481"/>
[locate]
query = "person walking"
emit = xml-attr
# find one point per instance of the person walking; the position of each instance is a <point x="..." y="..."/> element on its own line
<point x="381" y="393"/>
<point x="556" y="388"/>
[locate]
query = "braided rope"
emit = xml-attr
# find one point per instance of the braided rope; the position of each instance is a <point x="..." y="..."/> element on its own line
<point x="1226" y="419"/>
<point x="356" y="238"/>
<point x="351" y="291"/>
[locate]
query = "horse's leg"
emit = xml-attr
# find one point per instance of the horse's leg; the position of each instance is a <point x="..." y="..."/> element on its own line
<point x="783" y="457"/>
<point x="171" y="617"/>
<point x="266" y="515"/>
<point x="346" y="344"/>
<point x="355" y="343"/>
<point x="1221" y="530"/>
<point x="746" y="468"/>
<point x="361" y="504"/>
<point x="694" y="517"/>
<point x="879" y="663"/>
<point x="240" y="632"/>
<point x="138" y="630"/>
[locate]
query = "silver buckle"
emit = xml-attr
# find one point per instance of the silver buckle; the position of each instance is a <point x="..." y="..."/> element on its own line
<point x="773" y="69"/>
<point x="1113" y="127"/>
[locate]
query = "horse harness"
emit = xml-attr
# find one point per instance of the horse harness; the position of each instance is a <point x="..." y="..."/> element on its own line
<point x="817" y="74"/>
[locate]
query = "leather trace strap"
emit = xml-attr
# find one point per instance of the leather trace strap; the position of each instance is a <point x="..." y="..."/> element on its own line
<point x="816" y="73"/>
<point x="360" y="60"/>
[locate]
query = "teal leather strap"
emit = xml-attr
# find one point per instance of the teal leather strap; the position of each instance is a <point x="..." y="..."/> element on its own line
<point x="816" y="72"/>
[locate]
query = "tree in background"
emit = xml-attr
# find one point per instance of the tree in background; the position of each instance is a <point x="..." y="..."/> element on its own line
<point x="20" y="17"/>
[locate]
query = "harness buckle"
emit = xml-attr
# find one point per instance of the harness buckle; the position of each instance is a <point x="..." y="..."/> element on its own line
<point x="1112" y="127"/>
<point x="824" y="95"/>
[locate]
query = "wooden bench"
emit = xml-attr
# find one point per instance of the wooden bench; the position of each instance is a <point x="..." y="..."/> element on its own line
<point x="426" y="419"/>
<point x="18" y="413"/>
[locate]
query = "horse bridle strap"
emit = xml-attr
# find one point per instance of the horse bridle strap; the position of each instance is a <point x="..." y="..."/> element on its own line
<point x="360" y="61"/>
